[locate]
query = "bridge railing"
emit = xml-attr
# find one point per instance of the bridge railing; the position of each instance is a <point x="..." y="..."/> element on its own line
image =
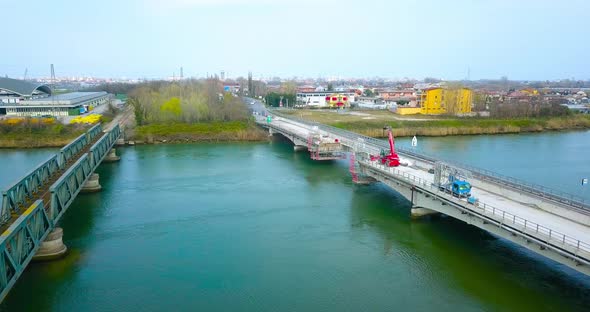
<point x="69" y="151"/>
<point x="78" y="144"/>
<point x="483" y="174"/>
<point x="65" y="189"/>
<point x="94" y="132"/>
<point x="19" y="243"/>
<point x="529" y="187"/>
<point x="99" y="150"/>
<point x="17" y="194"/>
<point x="526" y="226"/>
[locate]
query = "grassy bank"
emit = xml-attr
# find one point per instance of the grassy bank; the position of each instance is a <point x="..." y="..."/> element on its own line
<point x="371" y="123"/>
<point x="200" y="132"/>
<point x="38" y="136"/>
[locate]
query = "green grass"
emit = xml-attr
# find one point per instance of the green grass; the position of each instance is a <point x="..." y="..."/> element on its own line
<point x="56" y="135"/>
<point x="372" y="122"/>
<point x="205" y="131"/>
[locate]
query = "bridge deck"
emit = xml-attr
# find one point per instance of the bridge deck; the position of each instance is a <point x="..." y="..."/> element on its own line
<point x="539" y="216"/>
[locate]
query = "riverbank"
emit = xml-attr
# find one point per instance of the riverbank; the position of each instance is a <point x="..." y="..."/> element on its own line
<point x="37" y="137"/>
<point x="371" y="123"/>
<point x="231" y="131"/>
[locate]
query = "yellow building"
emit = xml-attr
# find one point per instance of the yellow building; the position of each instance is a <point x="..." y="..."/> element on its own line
<point x="530" y="91"/>
<point x="435" y="101"/>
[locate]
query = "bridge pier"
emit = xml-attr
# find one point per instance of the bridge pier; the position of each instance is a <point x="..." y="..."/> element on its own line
<point x="299" y="148"/>
<point x="92" y="185"/>
<point x="112" y="156"/>
<point x="52" y="247"/>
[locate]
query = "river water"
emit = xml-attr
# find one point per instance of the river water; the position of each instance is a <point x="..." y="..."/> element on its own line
<point x="257" y="227"/>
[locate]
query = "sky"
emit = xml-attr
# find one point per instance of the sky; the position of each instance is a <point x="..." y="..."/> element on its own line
<point x="448" y="39"/>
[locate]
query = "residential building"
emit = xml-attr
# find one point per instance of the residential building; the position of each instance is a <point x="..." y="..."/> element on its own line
<point x="324" y="99"/>
<point x="439" y="100"/>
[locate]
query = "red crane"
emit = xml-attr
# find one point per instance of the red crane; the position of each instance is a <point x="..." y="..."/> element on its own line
<point x="392" y="159"/>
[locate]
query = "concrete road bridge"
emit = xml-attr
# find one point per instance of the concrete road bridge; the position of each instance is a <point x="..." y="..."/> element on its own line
<point x="31" y="207"/>
<point x="551" y="223"/>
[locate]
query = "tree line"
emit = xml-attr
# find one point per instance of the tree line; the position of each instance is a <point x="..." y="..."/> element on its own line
<point x="185" y="101"/>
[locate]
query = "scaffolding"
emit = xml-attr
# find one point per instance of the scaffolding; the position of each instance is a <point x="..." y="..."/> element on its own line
<point x="322" y="147"/>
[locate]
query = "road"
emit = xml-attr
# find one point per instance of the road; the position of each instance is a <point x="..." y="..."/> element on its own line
<point x="255" y="106"/>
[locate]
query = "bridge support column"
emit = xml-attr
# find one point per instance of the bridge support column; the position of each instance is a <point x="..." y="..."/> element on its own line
<point x="111" y="156"/>
<point x="300" y="148"/>
<point x="418" y="212"/>
<point x="91" y="185"/>
<point x="52" y="247"/>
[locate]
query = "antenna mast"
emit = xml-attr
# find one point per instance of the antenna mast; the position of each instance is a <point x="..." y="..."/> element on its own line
<point x="52" y="79"/>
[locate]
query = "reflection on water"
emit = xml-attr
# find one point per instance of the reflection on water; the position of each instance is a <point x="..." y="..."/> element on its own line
<point x="257" y="227"/>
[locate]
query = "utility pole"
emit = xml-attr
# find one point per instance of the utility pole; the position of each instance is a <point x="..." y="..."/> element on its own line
<point x="250" y="85"/>
<point x="52" y="78"/>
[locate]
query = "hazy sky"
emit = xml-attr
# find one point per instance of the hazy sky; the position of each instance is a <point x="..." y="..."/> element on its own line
<point x="520" y="39"/>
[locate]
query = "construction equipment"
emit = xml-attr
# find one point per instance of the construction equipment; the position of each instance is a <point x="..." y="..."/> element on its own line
<point x="391" y="159"/>
<point x="323" y="147"/>
<point x="451" y="179"/>
<point x="457" y="187"/>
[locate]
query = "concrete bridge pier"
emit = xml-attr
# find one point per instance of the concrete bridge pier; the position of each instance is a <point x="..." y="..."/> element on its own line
<point x="52" y="247"/>
<point x="92" y="185"/>
<point x="112" y="156"/>
<point x="300" y="148"/>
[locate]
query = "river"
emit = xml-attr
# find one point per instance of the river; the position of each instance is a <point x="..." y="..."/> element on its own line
<point x="257" y="227"/>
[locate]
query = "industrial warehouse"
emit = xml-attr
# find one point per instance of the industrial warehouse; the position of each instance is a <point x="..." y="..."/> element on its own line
<point x="25" y="98"/>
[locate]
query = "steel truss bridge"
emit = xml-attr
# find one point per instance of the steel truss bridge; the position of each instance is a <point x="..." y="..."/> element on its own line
<point x="32" y="206"/>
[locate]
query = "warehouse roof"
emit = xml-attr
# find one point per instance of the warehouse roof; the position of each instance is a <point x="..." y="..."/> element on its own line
<point x="22" y="87"/>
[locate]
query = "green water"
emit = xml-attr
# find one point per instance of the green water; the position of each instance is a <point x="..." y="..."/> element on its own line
<point x="256" y="227"/>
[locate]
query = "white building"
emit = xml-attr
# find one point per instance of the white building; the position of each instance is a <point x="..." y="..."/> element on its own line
<point x="318" y="98"/>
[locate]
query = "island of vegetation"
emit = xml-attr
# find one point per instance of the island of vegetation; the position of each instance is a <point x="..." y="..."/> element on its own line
<point x="190" y="111"/>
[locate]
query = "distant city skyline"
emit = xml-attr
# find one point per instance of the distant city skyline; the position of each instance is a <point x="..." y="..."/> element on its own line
<point x="452" y="40"/>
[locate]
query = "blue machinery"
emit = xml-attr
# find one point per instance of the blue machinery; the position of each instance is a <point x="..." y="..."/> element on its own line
<point x="25" y="230"/>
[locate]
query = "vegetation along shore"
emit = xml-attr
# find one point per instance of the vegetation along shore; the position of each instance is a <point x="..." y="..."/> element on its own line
<point x="371" y="123"/>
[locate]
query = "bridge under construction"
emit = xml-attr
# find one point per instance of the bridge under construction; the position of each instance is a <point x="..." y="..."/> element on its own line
<point x="553" y="224"/>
